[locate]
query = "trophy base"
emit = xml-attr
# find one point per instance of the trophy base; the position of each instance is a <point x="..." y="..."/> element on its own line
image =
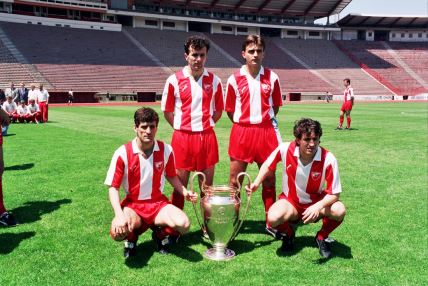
<point x="214" y="254"/>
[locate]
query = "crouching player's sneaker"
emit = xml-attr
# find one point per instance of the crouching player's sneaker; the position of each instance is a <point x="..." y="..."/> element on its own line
<point x="287" y="243"/>
<point x="7" y="219"/>
<point x="130" y="249"/>
<point x="324" y="247"/>
<point x="273" y="232"/>
<point x="162" y="245"/>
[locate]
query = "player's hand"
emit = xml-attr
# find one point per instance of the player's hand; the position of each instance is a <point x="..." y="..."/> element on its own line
<point x="119" y="225"/>
<point x="251" y="188"/>
<point x="190" y="196"/>
<point x="311" y="214"/>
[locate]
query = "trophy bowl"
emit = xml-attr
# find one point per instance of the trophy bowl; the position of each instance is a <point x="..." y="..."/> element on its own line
<point x="220" y="212"/>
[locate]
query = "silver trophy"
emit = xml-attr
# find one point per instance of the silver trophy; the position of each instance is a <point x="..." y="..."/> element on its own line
<point x="219" y="206"/>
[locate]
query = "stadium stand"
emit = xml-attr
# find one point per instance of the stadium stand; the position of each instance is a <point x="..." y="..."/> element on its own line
<point x="11" y="70"/>
<point x="168" y="47"/>
<point x="294" y="77"/>
<point x="326" y="59"/>
<point x="86" y="60"/>
<point x="376" y="60"/>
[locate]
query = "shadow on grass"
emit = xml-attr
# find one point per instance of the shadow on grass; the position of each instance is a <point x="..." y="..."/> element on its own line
<point x="19" y="167"/>
<point x="9" y="134"/>
<point x="32" y="211"/>
<point x="10" y="241"/>
<point x="337" y="249"/>
<point x="253" y="227"/>
<point x="182" y="249"/>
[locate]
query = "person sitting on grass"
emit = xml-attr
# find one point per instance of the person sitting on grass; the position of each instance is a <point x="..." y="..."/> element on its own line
<point x="310" y="188"/>
<point x="34" y="111"/>
<point x="22" y="113"/>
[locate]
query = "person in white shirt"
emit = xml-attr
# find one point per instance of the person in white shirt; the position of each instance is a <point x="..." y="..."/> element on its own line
<point x="33" y="112"/>
<point x="43" y="101"/>
<point x="33" y="93"/>
<point x="10" y="107"/>
<point x="11" y="91"/>
<point x="22" y="113"/>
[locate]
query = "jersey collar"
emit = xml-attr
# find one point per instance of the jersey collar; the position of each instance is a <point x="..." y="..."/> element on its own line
<point x="317" y="154"/>
<point x="244" y="71"/>
<point x="137" y="150"/>
<point x="186" y="72"/>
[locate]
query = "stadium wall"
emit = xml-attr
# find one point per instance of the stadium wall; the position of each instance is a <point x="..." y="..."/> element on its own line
<point x="23" y="19"/>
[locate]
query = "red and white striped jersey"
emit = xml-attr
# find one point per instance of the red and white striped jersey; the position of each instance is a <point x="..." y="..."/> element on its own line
<point x="348" y="93"/>
<point x="251" y="99"/>
<point x="193" y="102"/>
<point x="141" y="178"/>
<point x="306" y="184"/>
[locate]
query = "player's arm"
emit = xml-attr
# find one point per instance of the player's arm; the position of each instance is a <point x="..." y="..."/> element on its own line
<point x="312" y="213"/>
<point x="119" y="223"/>
<point x="169" y="116"/>
<point x="4" y="118"/>
<point x="351" y="91"/>
<point x="176" y="183"/>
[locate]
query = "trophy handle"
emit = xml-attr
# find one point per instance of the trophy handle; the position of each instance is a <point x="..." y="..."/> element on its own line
<point x="244" y="214"/>
<point x="194" y="203"/>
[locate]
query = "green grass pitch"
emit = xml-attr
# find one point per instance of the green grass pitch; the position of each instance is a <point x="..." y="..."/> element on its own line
<point x="53" y="183"/>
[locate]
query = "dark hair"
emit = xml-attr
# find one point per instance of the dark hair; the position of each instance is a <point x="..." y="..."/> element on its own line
<point x="196" y="42"/>
<point x="306" y="126"/>
<point x="145" y="114"/>
<point x="253" y="39"/>
<point x="347" y="80"/>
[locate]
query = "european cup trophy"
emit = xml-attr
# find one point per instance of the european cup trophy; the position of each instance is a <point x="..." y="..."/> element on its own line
<point x="220" y="210"/>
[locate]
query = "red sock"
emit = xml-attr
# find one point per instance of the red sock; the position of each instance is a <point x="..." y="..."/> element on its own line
<point x="341" y="121"/>
<point x="348" y="120"/>
<point x="285" y="228"/>
<point x="163" y="232"/>
<point x="177" y="199"/>
<point x="2" y="208"/>
<point x="269" y="197"/>
<point x="328" y="225"/>
<point x="132" y="237"/>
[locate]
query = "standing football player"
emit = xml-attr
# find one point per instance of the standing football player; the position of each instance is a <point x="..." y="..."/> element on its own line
<point x="348" y="103"/>
<point x="192" y="102"/>
<point x="253" y="98"/>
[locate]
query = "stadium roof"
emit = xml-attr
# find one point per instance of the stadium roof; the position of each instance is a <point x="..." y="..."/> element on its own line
<point x="315" y="8"/>
<point x="379" y="21"/>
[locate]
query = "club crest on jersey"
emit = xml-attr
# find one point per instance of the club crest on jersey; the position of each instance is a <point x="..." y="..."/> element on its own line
<point x="158" y="165"/>
<point x="315" y="175"/>
<point x="266" y="87"/>
<point x="208" y="87"/>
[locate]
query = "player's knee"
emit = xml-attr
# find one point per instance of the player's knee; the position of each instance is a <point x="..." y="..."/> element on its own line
<point x="275" y="217"/>
<point x="118" y="236"/>
<point x="182" y="222"/>
<point x="338" y="210"/>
